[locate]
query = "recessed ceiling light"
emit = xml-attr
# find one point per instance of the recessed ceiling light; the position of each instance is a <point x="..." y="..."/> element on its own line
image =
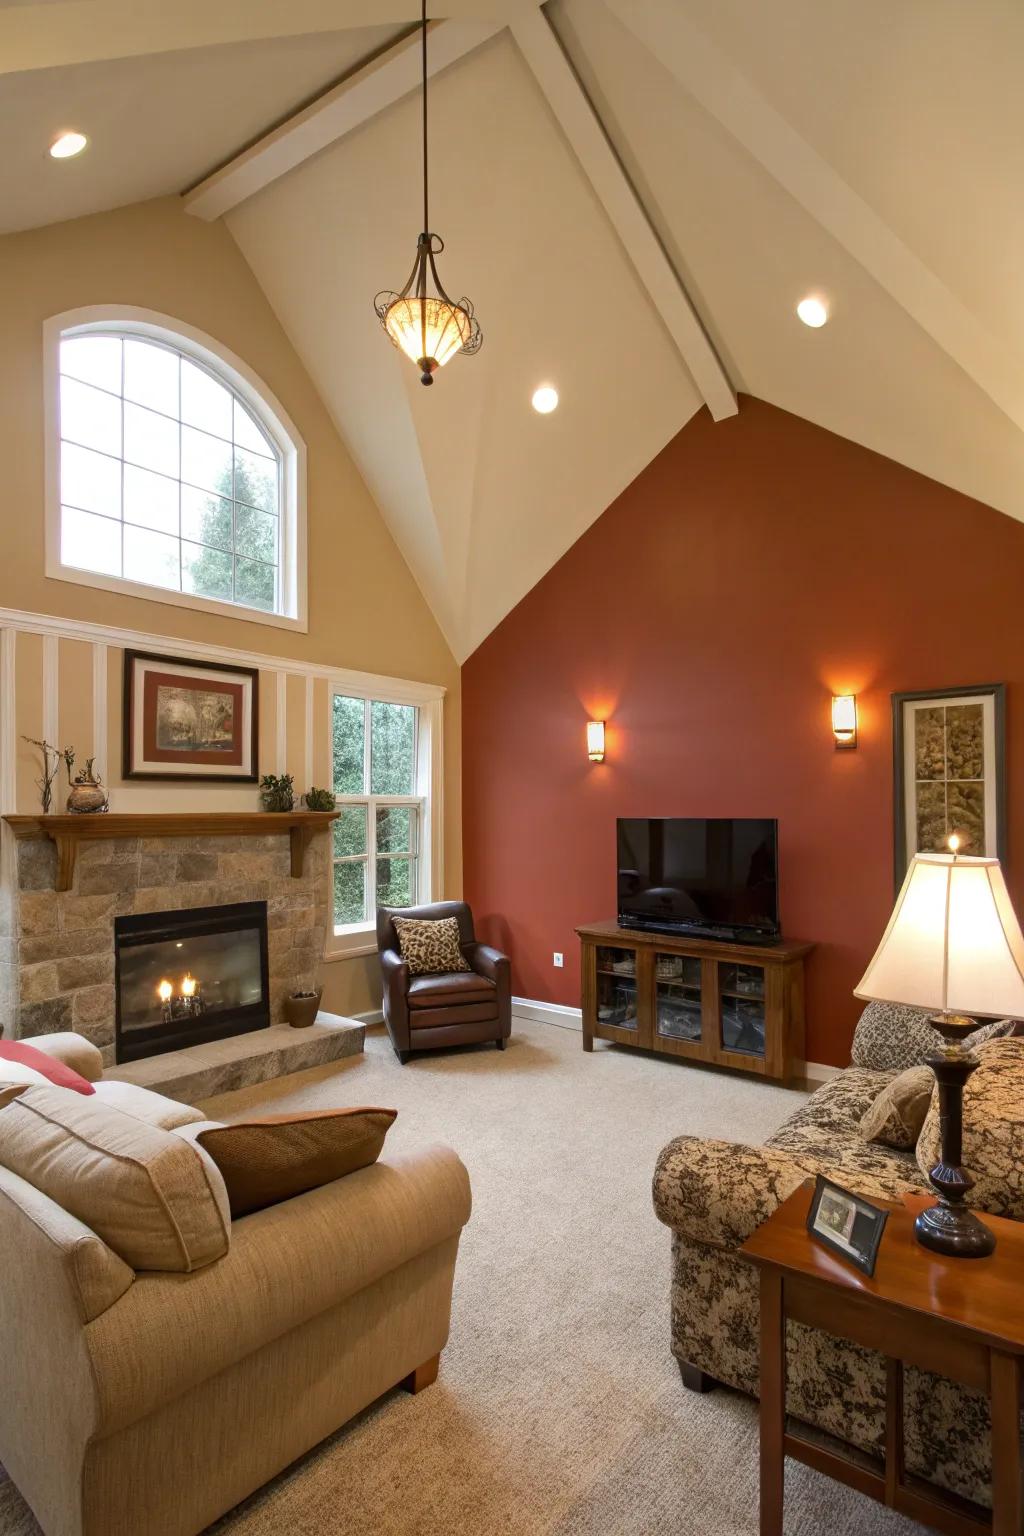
<point x="544" y="400"/>
<point x="68" y="144"/>
<point x="812" y="312"/>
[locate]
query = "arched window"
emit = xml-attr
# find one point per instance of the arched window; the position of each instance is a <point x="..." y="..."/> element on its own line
<point x="174" y="470"/>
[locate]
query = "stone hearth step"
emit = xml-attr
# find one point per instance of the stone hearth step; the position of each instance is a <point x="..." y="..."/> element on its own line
<point x="220" y="1066"/>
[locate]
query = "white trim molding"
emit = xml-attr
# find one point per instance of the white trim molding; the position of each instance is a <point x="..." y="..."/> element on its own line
<point x="51" y="673"/>
<point x="548" y="1013"/>
<point x="818" y="1072"/>
<point x="226" y="365"/>
<point x="361" y="95"/>
<point x="8" y="720"/>
<point x="537" y="1012"/>
<point x="564" y="93"/>
<point x="362" y="684"/>
<point x="99" y="700"/>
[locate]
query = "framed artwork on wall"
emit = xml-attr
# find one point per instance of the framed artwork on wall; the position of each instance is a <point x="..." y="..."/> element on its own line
<point x="189" y="719"/>
<point x="949" y="772"/>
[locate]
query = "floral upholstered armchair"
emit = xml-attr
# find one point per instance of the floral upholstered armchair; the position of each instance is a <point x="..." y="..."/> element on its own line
<point x="714" y="1194"/>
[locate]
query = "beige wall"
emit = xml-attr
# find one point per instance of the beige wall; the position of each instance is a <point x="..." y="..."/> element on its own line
<point x="365" y="611"/>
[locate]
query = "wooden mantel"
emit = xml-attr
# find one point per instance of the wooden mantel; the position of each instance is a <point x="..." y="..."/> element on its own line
<point x="68" y="831"/>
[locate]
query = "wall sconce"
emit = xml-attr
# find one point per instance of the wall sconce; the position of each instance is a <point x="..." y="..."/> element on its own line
<point x="595" y="740"/>
<point x="844" y="720"/>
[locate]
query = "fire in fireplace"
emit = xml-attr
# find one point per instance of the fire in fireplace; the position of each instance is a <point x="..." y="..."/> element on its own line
<point x="186" y="977"/>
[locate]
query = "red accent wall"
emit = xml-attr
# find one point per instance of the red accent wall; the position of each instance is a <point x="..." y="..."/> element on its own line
<point x="755" y="568"/>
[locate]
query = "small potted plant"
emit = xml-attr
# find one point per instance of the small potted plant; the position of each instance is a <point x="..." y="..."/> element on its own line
<point x="319" y="800"/>
<point x="301" y="1008"/>
<point x="277" y="792"/>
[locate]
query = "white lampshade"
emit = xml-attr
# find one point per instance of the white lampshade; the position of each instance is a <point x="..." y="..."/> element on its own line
<point x="953" y="943"/>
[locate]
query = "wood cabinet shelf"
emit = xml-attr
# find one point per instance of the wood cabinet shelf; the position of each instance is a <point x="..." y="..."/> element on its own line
<point x="67" y="831"/>
<point x="699" y="1014"/>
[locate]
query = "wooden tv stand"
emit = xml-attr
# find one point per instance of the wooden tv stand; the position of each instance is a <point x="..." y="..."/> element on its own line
<point x="733" y="1005"/>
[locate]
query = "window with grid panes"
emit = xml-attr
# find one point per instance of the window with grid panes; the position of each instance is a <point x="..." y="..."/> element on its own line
<point x="377" y="836"/>
<point x="167" y="478"/>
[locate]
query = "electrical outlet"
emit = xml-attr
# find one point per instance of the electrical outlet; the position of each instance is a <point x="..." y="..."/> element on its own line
<point x="558" y="958"/>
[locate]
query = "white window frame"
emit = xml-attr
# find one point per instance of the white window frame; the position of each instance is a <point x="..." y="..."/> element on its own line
<point x="359" y="938"/>
<point x="229" y="369"/>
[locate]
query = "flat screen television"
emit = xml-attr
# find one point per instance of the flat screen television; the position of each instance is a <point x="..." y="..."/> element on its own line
<point x="713" y="877"/>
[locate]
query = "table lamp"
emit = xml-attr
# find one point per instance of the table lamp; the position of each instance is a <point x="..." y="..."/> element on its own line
<point x="953" y="945"/>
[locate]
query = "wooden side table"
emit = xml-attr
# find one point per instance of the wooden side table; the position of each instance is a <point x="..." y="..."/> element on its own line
<point x="960" y="1318"/>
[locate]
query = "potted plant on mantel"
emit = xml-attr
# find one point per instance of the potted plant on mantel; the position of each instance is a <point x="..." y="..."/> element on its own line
<point x="301" y="1008"/>
<point x="277" y="792"/>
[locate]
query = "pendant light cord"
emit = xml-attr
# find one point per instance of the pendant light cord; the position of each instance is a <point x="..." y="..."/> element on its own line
<point x="426" y="217"/>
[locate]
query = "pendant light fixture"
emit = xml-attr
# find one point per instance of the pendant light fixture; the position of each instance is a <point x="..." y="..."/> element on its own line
<point x="429" y="327"/>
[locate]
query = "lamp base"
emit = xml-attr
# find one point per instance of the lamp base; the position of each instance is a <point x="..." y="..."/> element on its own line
<point x="949" y="1227"/>
<point x="955" y="1232"/>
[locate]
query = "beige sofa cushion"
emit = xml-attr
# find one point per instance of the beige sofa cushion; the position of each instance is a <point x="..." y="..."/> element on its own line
<point x="144" y="1104"/>
<point x="74" y="1050"/>
<point x="152" y="1198"/>
<point x="47" y="1237"/>
<point x="9" y="1091"/>
<point x="269" y="1160"/>
<point x="993" y="1130"/>
<point x="897" y="1115"/>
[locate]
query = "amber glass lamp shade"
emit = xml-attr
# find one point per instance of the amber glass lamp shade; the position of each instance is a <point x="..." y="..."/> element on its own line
<point x="429" y="331"/>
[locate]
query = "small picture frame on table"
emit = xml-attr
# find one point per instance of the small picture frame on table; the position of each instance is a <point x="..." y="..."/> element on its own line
<point x="847" y="1224"/>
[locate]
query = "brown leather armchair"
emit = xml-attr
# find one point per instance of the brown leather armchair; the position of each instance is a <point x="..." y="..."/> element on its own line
<point x="460" y="1008"/>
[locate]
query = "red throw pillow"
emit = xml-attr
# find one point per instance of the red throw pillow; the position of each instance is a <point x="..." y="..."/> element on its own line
<point x="54" y="1071"/>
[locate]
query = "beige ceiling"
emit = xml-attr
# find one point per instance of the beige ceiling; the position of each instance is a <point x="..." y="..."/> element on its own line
<point x="156" y="123"/>
<point x="871" y="153"/>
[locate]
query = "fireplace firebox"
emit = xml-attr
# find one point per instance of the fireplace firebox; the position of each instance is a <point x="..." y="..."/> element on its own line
<point x="185" y="977"/>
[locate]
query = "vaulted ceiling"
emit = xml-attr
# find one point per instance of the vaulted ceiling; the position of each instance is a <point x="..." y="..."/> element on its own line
<point x="635" y="194"/>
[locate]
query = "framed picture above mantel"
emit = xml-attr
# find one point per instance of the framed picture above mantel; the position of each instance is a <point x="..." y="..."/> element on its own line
<point x="949" y="772"/>
<point x="187" y="719"/>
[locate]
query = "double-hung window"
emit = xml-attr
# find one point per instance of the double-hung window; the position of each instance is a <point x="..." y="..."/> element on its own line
<point x="380" y="780"/>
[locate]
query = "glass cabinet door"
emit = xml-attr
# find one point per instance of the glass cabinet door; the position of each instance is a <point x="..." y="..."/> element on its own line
<point x="616" y="987"/>
<point x="741" y="994"/>
<point x="677" y="997"/>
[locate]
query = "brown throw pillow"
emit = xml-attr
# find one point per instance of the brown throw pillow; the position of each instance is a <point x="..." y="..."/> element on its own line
<point x="265" y="1161"/>
<point x="897" y="1115"/>
<point x="430" y="946"/>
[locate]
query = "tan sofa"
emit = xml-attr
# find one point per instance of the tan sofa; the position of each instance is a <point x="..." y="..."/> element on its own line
<point x="153" y="1402"/>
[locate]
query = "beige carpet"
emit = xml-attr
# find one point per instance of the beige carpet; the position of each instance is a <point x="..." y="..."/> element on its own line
<point x="559" y="1410"/>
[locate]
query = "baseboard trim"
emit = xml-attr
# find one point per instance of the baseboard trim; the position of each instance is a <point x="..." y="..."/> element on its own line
<point x="819" y="1072"/>
<point x="375" y="1016"/>
<point x="572" y="1018"/>
<point x="548" y="1013"/>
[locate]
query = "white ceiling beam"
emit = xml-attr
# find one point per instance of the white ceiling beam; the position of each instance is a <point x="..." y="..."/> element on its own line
<point x="583" y="128"/>
<point x="66" y="32"/>
<point x="710" y="76"/>
<point x="364" y="93"/>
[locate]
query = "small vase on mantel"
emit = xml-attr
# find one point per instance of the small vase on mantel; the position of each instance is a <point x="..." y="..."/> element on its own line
<point x="87" y="795"/>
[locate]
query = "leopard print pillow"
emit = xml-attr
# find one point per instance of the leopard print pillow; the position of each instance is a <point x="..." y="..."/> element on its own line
<point x="430" y="946"/>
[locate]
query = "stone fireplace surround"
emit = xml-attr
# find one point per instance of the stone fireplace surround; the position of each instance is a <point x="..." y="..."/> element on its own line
<point x="58" y="961"/>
